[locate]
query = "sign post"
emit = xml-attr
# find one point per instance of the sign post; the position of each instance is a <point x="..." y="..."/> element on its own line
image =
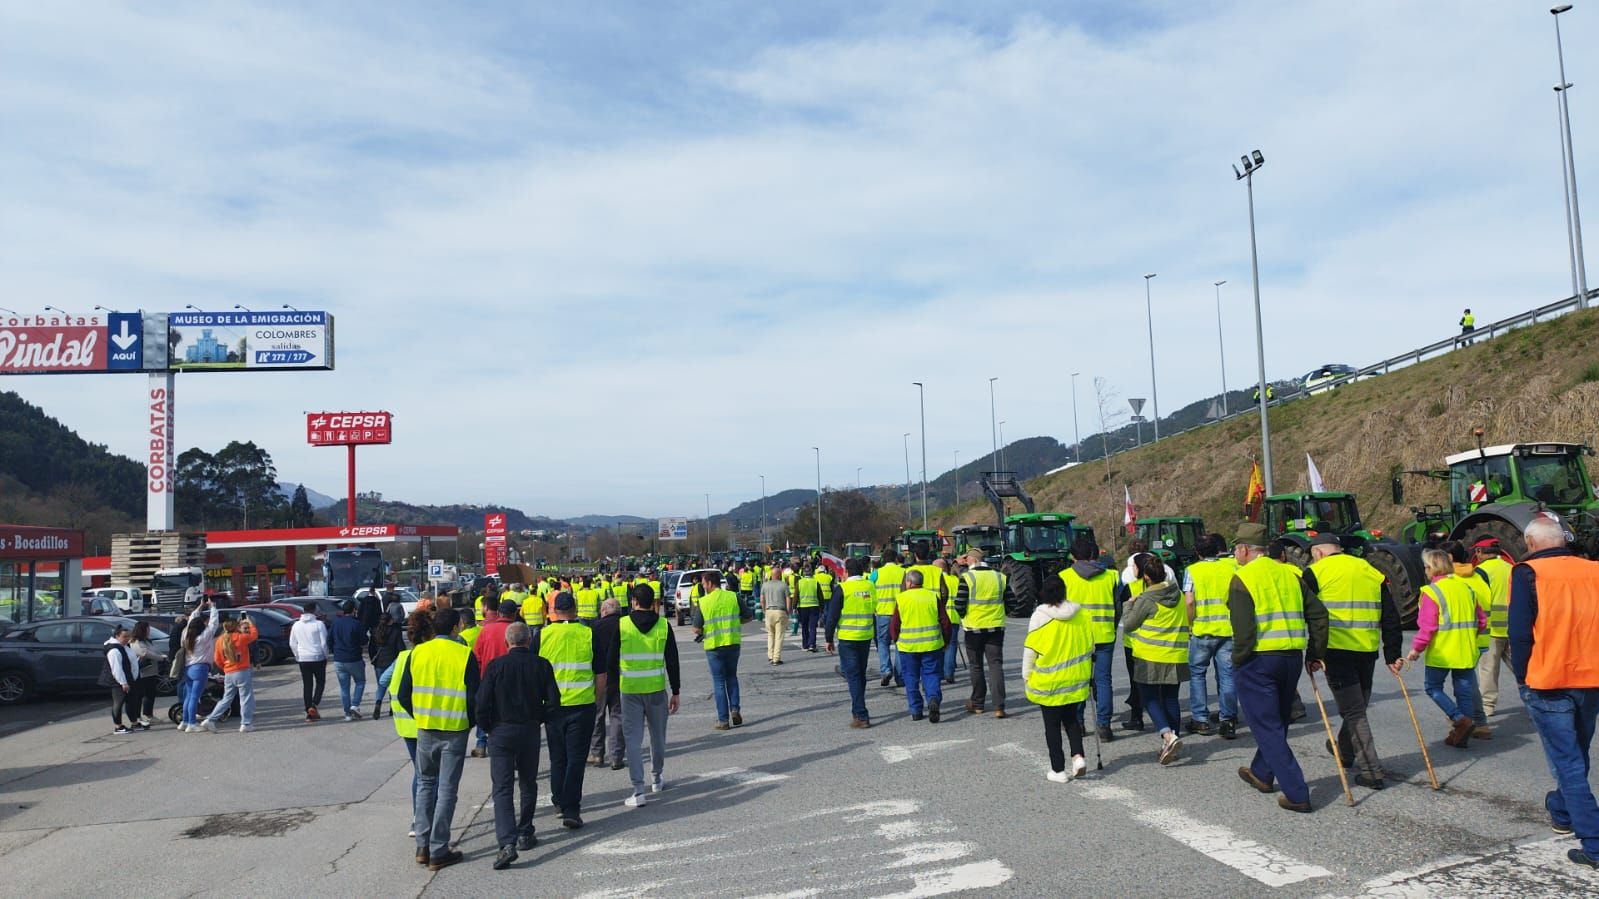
<point x="494" y="542"/>
<point x="160" y="510"/>
<point x="671" y="529"/>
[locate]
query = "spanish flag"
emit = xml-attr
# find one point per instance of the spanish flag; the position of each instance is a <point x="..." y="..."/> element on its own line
<point x="1255" y="494"/>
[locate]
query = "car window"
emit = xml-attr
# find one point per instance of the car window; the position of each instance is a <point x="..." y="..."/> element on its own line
<point x="96" y="632"/>
<point x="56" y="633"/>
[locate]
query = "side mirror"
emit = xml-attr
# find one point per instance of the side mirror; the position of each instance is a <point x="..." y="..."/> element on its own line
<point x="1399" y="491"/>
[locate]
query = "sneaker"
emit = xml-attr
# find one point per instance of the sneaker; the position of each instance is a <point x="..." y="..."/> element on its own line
<point x="738" y="720"/>
<point x="594" y="761"/>
<point x="1562" y="829"/>
<point x="1201" y="728"/>
<point x="887" y="679"/>
<point x="209" y="725"/>
<point x="1228" y="730"/>
<point x="247" y="728"/>
<point x="347" y="717"/>
<point x="504" y="859"/>
<point x="1582" y="858"/>
<point x="1057" y="777"/>
<point x="1079" y="766"/>
<point x="527" y="841"/>
<point x="1169" y="752"/>
<point x="444" y="859"/>
<point x="119" y="729"/>
<point x="1482" y="732"/>
<point x="635" y="801"/>
<point x="310" y="720"/>
<point x="618" y="765"/>
<point x="658" y="784"/>
<point x="478" y="752"/>
<point x="356" y="714"/>
<point x="1104" y="734"/>
<point x="932" y="713"/>
<point x="722" y="725"/>
<point x="142" y="725"/>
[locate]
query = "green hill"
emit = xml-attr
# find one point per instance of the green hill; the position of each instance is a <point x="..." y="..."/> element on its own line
<point x="50" y="476"/>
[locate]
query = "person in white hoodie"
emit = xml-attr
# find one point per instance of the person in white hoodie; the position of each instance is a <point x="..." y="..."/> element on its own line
<point x="308" y="640"/>
<point x="1057" y="667"/>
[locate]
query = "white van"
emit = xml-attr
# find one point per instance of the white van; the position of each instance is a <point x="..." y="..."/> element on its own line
<point x="129" y="599"/>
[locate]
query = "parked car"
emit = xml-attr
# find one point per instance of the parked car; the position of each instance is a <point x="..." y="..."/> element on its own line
<point x="272" y="634"/>
<point x="61" y="655"/>
<point x="287" y="608"/>
<point x="321" y="606"/>
<point x="98" y="605"/>
<point x="682" y="590"/>
<point x="128" y="599"/>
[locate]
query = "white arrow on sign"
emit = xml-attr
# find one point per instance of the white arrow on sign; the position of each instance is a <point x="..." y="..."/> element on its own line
<point x="124" y="338"/>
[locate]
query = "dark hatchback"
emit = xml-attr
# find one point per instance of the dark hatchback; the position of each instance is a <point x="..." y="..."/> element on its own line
<point x="59" y="655"/>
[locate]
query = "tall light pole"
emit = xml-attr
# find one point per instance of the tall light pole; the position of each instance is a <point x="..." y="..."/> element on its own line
<point x="1154" y="391"/>
<point x="1571" y="162"/>
<point x="993" y="426"/>
<point x="1565" y="184"/>
<point x="858" y="477"/>
<point x="818" y="494"/>
<point x="910" y="511"/>
<point x="1221" y="347"/>
<point x="1077" y="435"/>
<point x="763" y="513"/>
<point x="921" y="402"/>
<point x="957" y="477"/>
<point x="1002" y="446"/>
<point x="1252" y="162"/>
<point x="707" y="528"/>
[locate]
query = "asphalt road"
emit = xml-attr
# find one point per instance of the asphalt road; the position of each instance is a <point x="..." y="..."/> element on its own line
<point x="792" y="804"/>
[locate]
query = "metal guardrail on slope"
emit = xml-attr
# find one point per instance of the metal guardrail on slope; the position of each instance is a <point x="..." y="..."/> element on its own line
<point x="1403" y="360"/>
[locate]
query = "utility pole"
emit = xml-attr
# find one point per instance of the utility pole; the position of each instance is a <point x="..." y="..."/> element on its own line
<point x="1154" y="391"/>
<point x="1253" y="162"/>
<point x="921" y="401"/>
<point x="818" y="495"/>
<point x="993" y="424"/>
<point x="910" y="511"/>
<point x="1221" y="347"/>
<point x="1077" y="435"/>
<point x="957" y="477"/>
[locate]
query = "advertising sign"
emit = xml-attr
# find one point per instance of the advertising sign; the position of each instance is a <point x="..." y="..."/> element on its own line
<point x="53" y="344"/>
<point x="18" y="542"/>
<point x="348" y="428"/>
<point x="671" y="529"/>
<point x="495" y="550"/>
<point x="236" y="341"/>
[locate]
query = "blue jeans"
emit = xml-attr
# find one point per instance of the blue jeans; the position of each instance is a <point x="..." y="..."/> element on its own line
<point x="922" y="684"/>
<point x="852" y="655"/>
<point x="724" y="679"/>
<point x="410" y="749"/>
<point x="808" y="618"/>
<point x="1104" y="656"/>
<point x="887" y="652"/>
<point x="950" y="650"/>
<point x="1160" y="701"/>
<point x="440" y="754"/>
<point x="1465" y="682"/>
<point x="347" y="672"/>
<point x="383" y="680"/>
<point x="1565" y="723"/>
<point x="1202" y="651"/>
<point x="239" y="684"/>
<point x="1267" y="684"/>
<point x="194" y="678"/>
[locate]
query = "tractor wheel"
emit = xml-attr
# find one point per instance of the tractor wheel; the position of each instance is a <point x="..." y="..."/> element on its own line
<point x="1405" y="593"/>
<point x="1021" y="594"/>
<point x="1510" y="539"/>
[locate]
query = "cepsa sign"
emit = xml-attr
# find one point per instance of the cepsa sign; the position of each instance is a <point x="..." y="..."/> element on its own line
<point x="348" y="428"/>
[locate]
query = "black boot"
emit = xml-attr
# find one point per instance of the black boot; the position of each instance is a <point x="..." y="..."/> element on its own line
<point x="377" y="709"/>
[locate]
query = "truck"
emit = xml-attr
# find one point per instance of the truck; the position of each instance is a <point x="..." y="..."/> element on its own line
<point x="1037" y="545"/>
<point x="177" y="589"/>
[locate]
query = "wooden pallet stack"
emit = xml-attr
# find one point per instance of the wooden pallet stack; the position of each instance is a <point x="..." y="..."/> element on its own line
<point x="135" y="558"/>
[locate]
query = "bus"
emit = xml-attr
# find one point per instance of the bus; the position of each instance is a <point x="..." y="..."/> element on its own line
<point x="349" y="570"/>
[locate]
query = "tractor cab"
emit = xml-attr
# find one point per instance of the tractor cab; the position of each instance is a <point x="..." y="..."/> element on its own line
<point x="915" y="544"/>
<point x="1547" y="473"/>
<point x="986" y="537"/>
<point x="1304" y="513"/>
<point x="1175" y="540"/>
<point x="857" y="550"/>
<point x="1038" y="535"/>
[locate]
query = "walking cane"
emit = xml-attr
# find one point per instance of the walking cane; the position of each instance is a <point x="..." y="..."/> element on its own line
<point x="1093" y="692"/>
<point x="1425" y="755"/>
<point x="1331" y="740"/>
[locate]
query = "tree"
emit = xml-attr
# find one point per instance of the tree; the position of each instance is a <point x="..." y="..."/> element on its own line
<point x="231" y="489"/>
<point x="300" y="513"/>
<point x="848" y="516"/>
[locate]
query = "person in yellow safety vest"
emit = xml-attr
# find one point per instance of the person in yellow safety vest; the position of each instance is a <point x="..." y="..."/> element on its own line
<point x="1361" y="619"/>
<point x="920" y="627"/>
<point x="1492" y="565"/>
<point x="886" y="585"/>
<point x="655" y="585"/>
<point x="567" y="646"/>
<point x="1271" y="394"/>
<point x="791" y="576"/>
<point x="469" y="628"/>
<point x="437" y="690"/>
<point x="1448" y="619"/>
<point x="809" y="605"/>
<point x="541" y="588"/>
<point x="1156" y="625"/>
<point x="619" y="589"/>
<point x="1211" y="641"/>
<point x="746" y="584"/>
<point x="1468" y="324"/>
<point x="980" y="603"/>
<point x="824" y="581"/>
<point x="643" y="663"/>
<point x="952" y="585"/>
<point x="718" y="622"/>
<point x="850" y="623"/>
<point x="1057" y="671"/>
<point x="1279" y="632"/>
<point x="1482" y="591"/>
<point x="588" y="601"/>
<point x="534" y="609"/>
<point x="419" y="632"/>
<point x="1097" y="590"/>
<point x="514" y="592"/>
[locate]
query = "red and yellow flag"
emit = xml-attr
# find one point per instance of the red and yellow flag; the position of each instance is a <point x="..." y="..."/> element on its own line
<point x="1255" y="494"/>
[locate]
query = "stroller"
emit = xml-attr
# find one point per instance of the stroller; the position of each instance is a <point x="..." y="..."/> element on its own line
<point x="209" y="697"/>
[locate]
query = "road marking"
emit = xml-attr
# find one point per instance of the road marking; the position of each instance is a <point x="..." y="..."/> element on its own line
<point x="928" y="853"/>
<point x="975" y="876"/>
<point x="910" y="829"/>
<point x="895" y="754"/>
<point x="1532" y="869"/>
<point x="628" y="847"/>
<point x="745" y="777"/>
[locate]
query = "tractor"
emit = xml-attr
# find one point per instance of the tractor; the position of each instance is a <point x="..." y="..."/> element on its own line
<point x="1037" y="545"/>
<point x="986" y="537"/>
<point x="913" y="542"/>
<point x="858" y="551"/>
<point x="1292" y="519"/>
<point x="1175" y="540"/>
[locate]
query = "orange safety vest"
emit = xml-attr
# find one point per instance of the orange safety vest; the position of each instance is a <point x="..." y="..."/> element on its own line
<point x="1567" y="628"/>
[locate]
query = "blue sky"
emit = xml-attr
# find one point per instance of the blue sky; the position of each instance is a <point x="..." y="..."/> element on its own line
<point x="611" y="257"/>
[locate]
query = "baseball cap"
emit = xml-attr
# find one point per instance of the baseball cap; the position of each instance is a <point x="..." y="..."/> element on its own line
<point x="564" y="602"/>
<point x="1250" y="534"/>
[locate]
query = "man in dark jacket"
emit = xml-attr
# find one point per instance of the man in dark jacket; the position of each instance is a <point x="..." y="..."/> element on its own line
<point x="510" y="706"/>
<point x="347" y="636"/>
<point x="490" y="645"/>
<point x="608" y="715"/>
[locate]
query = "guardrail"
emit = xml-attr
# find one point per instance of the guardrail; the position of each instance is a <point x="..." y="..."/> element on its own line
<point x="1411" y="357"/>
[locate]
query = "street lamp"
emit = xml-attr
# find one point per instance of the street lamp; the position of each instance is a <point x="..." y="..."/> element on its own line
<point x="237" y="306"/>
<point x="707" y="529"/>
<point x="56" y="309"/>
<point x="1077" y="435"/>
<point x="993" y="428"/>
<point x="1222" y="348"/>
<point x="921" y="402"/>
<point x="1565" y="185"/>
<point x="1002" y="447"/>
<point x="1253" y="162"/>
<point x="189" y="306"/>
<point x="763" y="513"/>
<point x="957" y="477"/>
<point x="1571" y="163"/>
<point x="857" y="477"/>
<point x="9" y="311"/>
<point x="295" y="309"/>
<point x="910" y="511"/>
<point x="818" y="495"/>
<point x="1154" y="391"/>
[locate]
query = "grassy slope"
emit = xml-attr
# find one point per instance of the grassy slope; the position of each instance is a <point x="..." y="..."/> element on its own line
<point x="1536" y="383"/>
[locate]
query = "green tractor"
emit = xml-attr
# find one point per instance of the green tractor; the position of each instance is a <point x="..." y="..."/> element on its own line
<point x="1174" y="539"/>
<point x="1037" y="545"/>
<point x="858" y="551"/>
<point x="912" y="542"/>
<point x="1292" y="519"/>
<point x="986" y="537"/>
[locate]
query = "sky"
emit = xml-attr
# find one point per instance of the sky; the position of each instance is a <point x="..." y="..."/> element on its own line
<point x="613" y="257"/>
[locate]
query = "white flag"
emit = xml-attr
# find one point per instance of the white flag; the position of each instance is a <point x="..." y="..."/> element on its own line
<point x="1316" y="485"/>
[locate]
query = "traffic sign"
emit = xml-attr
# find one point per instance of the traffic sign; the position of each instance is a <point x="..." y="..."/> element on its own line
<point x="436" y="570"/>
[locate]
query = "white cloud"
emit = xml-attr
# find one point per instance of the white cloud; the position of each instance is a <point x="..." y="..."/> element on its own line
<point x="627" y="321"/>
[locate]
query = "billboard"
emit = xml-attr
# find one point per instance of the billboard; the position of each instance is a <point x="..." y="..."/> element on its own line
<point x="239" y="341"/>
<point x="348" y="428"/>
<point x="495" y="550"/>
<point x="71" y="344"/>
<point x="671" y="529"/>
<point x="26" y="543"/>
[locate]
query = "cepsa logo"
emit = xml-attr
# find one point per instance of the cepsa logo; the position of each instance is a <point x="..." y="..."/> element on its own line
<point x="347" y="420"/>
<point x="370" y="530"/>
<point x="348" y="428"/>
